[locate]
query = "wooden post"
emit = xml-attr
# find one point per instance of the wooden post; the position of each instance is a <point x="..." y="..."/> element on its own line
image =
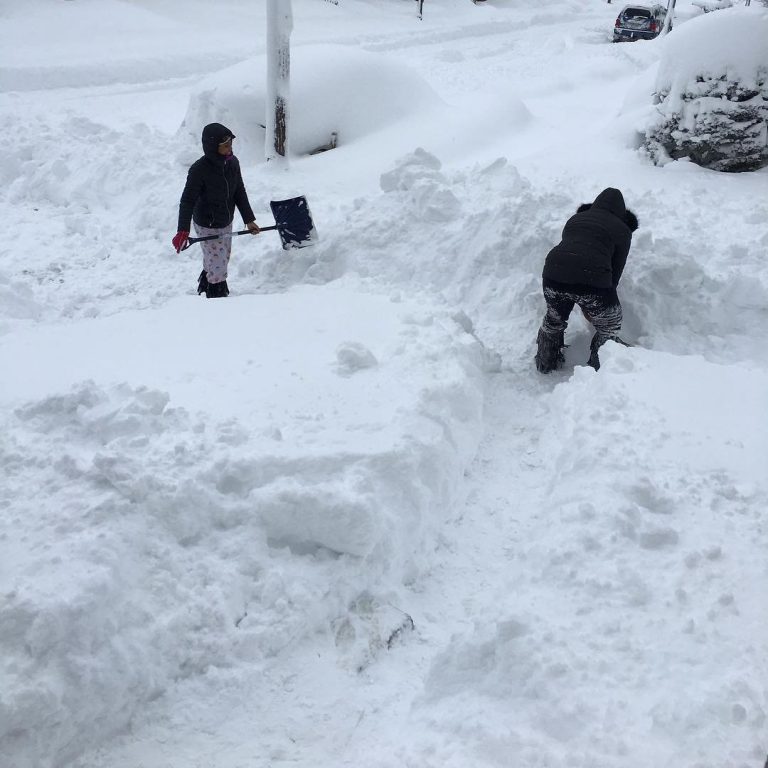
<point x="279" y="28"/>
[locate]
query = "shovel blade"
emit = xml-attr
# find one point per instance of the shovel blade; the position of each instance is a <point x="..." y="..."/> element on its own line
<point x="294" y="222"/>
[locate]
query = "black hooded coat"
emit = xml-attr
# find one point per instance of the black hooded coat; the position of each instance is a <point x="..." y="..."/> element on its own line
<point x="214" y="186"/>
<point x="595" y="244"/>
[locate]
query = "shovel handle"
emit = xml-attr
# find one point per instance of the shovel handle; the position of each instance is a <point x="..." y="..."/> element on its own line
<point x="193" y="240"/>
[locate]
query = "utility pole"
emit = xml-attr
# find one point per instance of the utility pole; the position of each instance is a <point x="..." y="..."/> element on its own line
<point x="279" y="28"/>
<point x="668" y="18"/>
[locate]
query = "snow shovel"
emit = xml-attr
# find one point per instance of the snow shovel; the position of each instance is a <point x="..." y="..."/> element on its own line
<point x="293" y="223"/>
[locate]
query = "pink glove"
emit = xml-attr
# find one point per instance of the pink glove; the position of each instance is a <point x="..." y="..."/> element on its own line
<point x="180" y="240"/>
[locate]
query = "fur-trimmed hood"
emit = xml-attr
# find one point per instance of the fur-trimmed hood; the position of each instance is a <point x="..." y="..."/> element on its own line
<point x="629" y="218"/>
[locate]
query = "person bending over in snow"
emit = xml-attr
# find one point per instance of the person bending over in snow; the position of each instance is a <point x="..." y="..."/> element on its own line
<point x="214" y="188"/>
<point x="584" y="269"/>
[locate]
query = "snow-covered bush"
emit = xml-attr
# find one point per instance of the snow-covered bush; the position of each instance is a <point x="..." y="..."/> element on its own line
<point x="712" y="93"/>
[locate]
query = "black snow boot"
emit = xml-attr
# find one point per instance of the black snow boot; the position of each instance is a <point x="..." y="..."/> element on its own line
<point x="596" y="343"/>
<point x="549" y="354"/>
<point x="217" y="290"/>
<point x="202" y="283"/>
<point x="594" y="360"/>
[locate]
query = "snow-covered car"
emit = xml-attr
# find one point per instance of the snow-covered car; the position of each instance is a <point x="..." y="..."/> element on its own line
<point x="639" y="22"/>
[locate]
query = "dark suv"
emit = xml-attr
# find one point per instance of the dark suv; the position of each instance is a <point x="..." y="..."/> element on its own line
<point x="639" y="22"/>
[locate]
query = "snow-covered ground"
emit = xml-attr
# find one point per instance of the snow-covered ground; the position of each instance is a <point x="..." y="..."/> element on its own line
<point x="338" y="518"/>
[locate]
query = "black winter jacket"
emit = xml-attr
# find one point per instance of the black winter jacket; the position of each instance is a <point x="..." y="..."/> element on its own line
<point x="214" y="186"/>
<point x="594" y="245"/>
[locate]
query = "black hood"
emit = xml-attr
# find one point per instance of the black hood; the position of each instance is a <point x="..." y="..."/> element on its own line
<point x="612" y="200"/>
<point x="213" y="135"/>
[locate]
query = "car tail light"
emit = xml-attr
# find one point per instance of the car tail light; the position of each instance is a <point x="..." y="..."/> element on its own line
<point x="653" y="26"/>
<point x="618" y="23"/>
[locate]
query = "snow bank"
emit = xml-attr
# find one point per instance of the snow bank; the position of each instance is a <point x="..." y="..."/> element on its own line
<point x="84" y="244"/>
<point x="477" y="238"/>
<point x="208" y="482"/>
<point x="333" y="89"/>
<point x="372" y="105"/>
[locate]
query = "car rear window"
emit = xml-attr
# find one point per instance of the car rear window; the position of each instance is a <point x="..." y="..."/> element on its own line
<point x="637" y="12"/>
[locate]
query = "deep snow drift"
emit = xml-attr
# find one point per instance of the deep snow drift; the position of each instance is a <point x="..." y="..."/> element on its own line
<point x="338" y="519"/>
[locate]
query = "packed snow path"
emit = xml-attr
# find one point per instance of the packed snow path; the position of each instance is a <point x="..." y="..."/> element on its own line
<point x="592" y="591"/>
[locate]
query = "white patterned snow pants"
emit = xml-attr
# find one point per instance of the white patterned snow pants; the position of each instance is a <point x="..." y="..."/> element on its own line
<point x="215" y="252"/>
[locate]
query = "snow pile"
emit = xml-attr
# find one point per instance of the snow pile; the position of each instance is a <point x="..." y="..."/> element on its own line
<point x="326" y="84"/>
<point x="476" y="238"/>
<point x="216" y="491"/>
<point x="712" y="91"/>
<point x="473" y="237"/>
<point x="89" y="246"/>
<point x="371" y="103"/>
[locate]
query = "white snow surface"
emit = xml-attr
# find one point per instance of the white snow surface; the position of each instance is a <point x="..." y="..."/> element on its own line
<point x="338" y="519"/>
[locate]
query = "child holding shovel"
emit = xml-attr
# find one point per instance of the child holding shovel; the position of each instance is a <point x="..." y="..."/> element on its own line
<point x="213" y="190"/>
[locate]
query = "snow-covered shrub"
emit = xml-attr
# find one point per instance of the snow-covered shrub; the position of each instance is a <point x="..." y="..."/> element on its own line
<point x="712" y="93"/>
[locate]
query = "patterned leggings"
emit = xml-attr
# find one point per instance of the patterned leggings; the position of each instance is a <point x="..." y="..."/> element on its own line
<point x="215" y="252"/>
<point x="600" y="306"/>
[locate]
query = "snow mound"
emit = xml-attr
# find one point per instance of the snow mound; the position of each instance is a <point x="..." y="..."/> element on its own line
<point x="353" y="356"/>
<point x="17" y="301"/>
<point x="485" y="259"/>
<point x="333" y="89"/>
<point x="212" y="491"/>
<point x="475" y="237"/>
